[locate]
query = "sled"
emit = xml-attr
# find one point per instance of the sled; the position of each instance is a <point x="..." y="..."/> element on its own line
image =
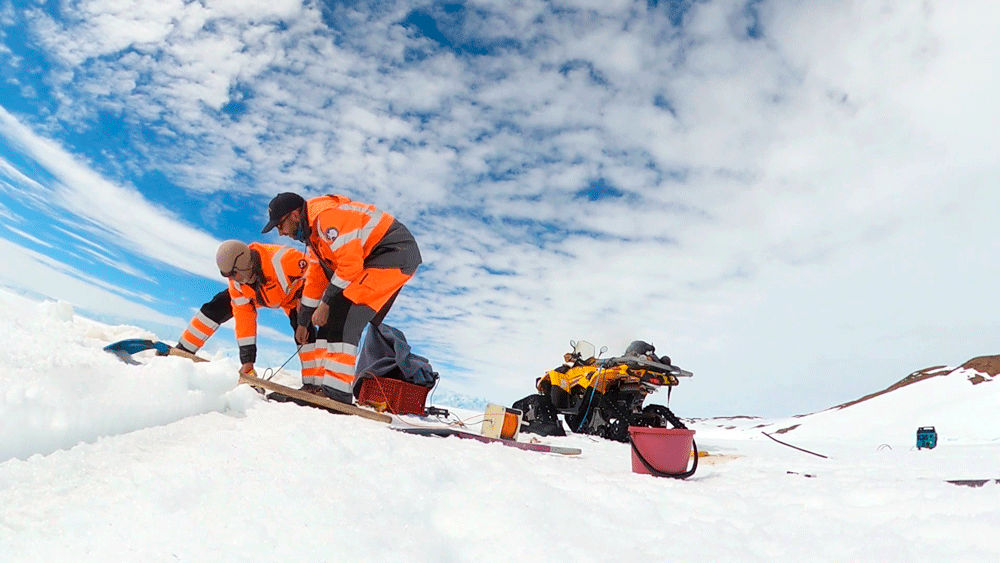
<point x="314" y="400"/>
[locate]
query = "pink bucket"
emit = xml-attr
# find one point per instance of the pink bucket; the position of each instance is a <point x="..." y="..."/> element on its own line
<point x="666" y="451"/>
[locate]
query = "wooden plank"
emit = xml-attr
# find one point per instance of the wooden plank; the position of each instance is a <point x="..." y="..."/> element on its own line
<point x="185" y="354"/>
<point x="323" y="402"/>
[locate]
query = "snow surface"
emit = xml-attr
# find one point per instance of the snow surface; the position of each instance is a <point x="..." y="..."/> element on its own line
<point x="172" y="461"/>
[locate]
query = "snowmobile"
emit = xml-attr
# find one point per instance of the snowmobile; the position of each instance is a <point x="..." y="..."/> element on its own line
<point x="601" y="397"/>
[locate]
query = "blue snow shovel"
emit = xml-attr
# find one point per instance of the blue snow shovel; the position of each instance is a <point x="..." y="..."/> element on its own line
<point x="125" y="348"/>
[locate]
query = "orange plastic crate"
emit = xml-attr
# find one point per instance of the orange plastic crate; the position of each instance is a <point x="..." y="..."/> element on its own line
<point x="393" y="395"/>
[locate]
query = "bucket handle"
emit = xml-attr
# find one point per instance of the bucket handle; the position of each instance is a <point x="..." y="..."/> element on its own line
<point x="654" y="471"/>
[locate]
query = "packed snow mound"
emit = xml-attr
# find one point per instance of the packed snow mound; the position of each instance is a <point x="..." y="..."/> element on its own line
<point x="58" y="388"/>
<point x="960" y="402"/>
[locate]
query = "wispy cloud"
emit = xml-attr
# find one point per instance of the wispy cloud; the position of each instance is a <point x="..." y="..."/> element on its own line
<point x="26" y="236"/>
<point x="115" y="214"/>
<point x="45" y="276"/>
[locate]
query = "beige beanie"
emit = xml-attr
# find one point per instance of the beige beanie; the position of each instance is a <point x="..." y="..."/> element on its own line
<point x="232" y="255"/>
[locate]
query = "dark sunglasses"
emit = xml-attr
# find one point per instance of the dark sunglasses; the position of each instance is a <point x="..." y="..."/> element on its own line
<point x="233" y="271"/>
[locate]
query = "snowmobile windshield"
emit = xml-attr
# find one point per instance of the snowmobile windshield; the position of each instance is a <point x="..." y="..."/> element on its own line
<point x="585" y="350"/>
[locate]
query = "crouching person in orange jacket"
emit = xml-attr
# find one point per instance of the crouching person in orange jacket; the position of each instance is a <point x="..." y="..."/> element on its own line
<point x="359" y="258"/>
<point x="260" y="275"/>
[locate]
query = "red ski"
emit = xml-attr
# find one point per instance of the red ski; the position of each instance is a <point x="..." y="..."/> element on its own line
<point x="444" y="431"/>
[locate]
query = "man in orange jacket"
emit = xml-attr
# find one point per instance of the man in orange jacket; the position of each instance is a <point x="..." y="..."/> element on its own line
<point x="359" y="259"/>
<point x="260" y="275"/>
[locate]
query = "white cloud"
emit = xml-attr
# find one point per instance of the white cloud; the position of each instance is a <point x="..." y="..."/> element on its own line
<point x="155" y="232"/>
<point x="48" y="277"/>
<point x="27" y="236"/>
<point x="769" y="184"/>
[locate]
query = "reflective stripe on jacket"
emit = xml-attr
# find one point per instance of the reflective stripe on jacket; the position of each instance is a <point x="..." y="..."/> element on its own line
<point x="342" y="234"/>
<point x="283" y="271"/>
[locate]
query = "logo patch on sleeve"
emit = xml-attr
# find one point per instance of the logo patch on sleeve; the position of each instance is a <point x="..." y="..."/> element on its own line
<point x="332" y="234"/>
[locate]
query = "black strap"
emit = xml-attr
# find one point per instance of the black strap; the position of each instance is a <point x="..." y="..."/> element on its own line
<point x="653" y="471"/>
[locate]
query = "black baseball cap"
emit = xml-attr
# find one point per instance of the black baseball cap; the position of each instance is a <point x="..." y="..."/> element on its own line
<point x="280" y="206"/>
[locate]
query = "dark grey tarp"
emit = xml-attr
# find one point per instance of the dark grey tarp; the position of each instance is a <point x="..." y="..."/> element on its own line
<point x="385" y="353"/>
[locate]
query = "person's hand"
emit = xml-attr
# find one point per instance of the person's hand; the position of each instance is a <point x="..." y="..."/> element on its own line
<point x="301" y="334"/>
<point x="247" y="369"/>
<point x="321" y="314"/>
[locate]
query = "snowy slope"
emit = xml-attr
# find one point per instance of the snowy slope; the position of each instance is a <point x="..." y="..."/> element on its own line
<point x="961" y="412"/>
<point x="171" y="461"/>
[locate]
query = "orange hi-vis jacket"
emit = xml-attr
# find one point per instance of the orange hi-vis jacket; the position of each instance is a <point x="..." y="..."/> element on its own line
<point x="280" y="286"/>
<point x="343" y="233"/>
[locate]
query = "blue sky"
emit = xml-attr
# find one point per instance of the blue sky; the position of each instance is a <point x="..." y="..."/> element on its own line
<point x="788" y="199"/>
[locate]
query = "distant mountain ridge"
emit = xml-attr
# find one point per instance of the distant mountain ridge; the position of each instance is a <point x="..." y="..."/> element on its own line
<point x="978" y="370"/>
<point x="958" y="401"/>
<point x="446" y="398"/>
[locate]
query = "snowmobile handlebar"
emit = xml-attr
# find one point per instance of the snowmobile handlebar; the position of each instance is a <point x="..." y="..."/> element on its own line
<point x="643" y="362"/>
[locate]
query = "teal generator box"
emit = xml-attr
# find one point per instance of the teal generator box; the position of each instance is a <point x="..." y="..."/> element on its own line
<point x="926" y="437"/>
